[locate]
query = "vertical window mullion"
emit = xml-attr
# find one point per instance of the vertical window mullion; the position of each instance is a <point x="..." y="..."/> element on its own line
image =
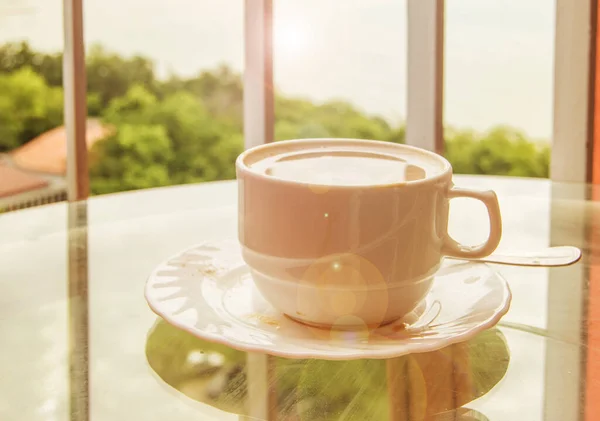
<point x="571" y="130"/>
<point x="259" y="102"/>
<point x="259" y="125"/>
<point x="75" y="108"/>
<point x="425" y="87"/>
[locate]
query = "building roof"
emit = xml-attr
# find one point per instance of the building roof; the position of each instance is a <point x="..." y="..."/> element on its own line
<point x="47" y="153"/>
<point x="14" y="181"/>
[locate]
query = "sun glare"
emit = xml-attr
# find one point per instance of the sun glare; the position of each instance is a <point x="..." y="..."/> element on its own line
<point x="290" y="39"/>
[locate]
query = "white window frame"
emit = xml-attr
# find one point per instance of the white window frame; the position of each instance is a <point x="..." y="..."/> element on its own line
<point x="259" y="101"/>
<point x="570" y="162"/>
<point x="259" y="126"/>
<point x="571" y="135"/>
<point x="425" y="70"/>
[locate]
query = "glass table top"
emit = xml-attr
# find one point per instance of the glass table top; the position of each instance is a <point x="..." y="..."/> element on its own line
<point x="80" y="343"/>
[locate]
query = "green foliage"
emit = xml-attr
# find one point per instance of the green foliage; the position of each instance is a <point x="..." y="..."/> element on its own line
<point x="397" y="135"/>
<point x="28" y="107"/>
<point x="190" y="129"/>
<point x="136" y="157"/>
<point x="191" y="145"/>
<point x="15" y="56"/>
<point x="110" y="75"/>
<point x="501" y="151"/>
<point x="133" y="107"/>
<point x="220" y="90"/>
<point x="298" y="118"/>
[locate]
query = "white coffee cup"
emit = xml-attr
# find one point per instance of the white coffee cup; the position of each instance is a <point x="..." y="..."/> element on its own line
<point x="347" y="233"/>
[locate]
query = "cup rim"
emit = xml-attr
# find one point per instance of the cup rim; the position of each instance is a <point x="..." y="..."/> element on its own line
<point x="446" y="166"/>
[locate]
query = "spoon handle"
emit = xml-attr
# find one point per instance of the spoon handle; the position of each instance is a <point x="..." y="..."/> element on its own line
<point x="549" y="257"/>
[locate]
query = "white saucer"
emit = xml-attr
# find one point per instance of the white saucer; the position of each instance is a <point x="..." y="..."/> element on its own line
<point x="207" y="290"/>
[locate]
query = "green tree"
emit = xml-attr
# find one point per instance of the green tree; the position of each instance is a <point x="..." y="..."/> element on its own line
<point x="135" y="157"/>
<point x="299" y="118"/>
<point x="459" y="148"/>
<point x="220" y="90"/>
<point x="28" y="107"/>
<point x="397" y="135"/>
<point x="500" y="151"/>
<point x="197" y="138"/>
<point x="110" y="75"/>
<point x="200" y="147"/>
<point x="133" y="107"/>
<point x="190" y="129"/>
<point x="15" y="56"/>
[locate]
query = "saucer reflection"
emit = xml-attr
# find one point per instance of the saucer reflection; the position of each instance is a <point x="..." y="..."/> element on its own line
<point x="431" y="386"/>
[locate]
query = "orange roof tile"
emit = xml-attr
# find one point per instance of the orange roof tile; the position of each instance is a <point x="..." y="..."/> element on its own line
<point x="14" y="181"/>
<point x="47" y="153"/>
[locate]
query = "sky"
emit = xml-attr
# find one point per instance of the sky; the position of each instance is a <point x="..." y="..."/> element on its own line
<point x="498" y="62"/>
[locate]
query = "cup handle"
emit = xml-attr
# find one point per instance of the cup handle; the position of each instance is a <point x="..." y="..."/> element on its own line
<point x="490" y="200"/>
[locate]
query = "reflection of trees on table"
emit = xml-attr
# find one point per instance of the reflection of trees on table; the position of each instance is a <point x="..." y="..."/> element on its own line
<point x="409" y="388"/>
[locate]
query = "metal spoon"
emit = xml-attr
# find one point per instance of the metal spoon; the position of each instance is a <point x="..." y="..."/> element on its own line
<point x="549" y="257"/>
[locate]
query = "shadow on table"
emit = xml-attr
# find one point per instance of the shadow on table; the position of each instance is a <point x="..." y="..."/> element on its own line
<point x="431" y="386"/>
